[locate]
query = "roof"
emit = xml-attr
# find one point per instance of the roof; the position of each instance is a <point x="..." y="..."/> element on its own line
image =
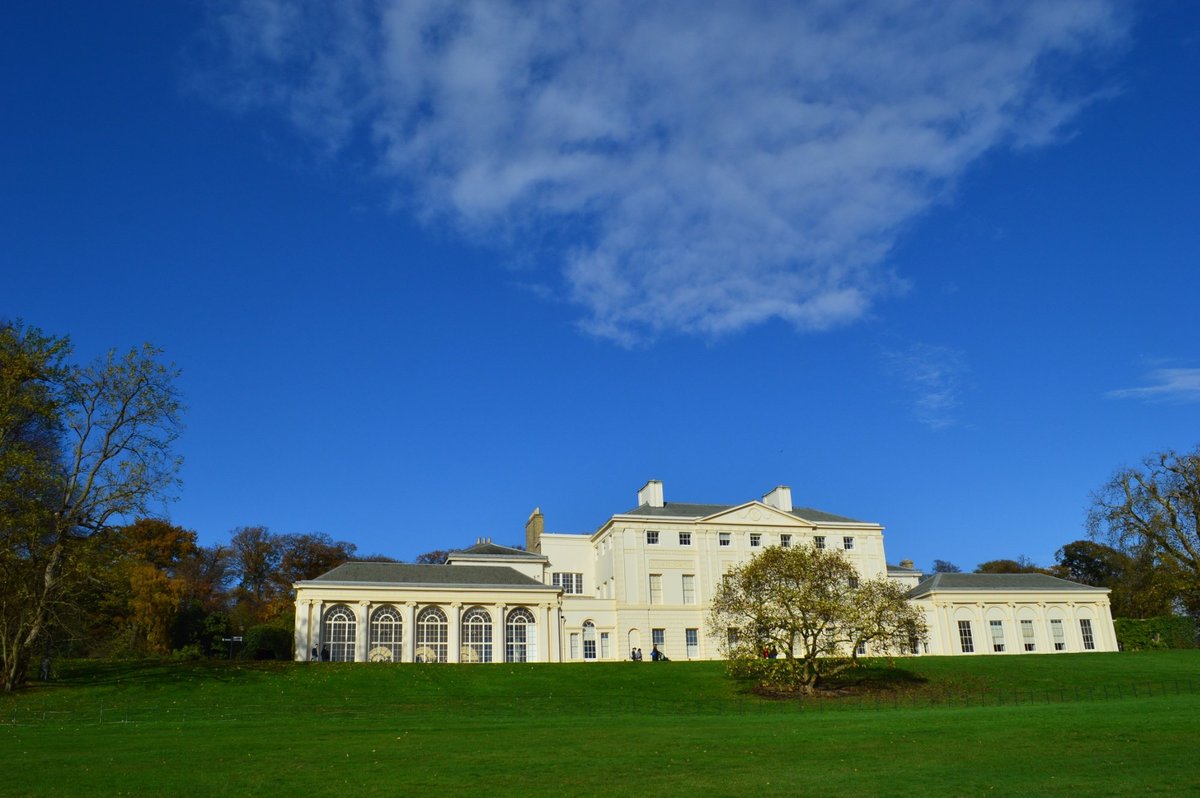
<point x="395" y="573"/>
<point x="997" y="582"/>
<point x="900" y="569"/>
<point x="490" y="549"/>
<point x="686" y="510"/>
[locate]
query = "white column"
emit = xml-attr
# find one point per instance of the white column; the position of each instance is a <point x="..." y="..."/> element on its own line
<point x="410" y="631"/>
<point x="300" y="644"/>
<point x="544" y="645"/>
<point x="454" y="645"/>
<point x="318" y="626"/>
<point x="361" y="633"/>
<point x="499" y="647"/>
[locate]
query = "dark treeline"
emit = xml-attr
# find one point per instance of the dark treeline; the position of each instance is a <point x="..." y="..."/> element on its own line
<point x="149" y="588"/>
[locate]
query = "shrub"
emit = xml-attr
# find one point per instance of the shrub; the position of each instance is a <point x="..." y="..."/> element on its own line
<point x="267" y="642"/>
<point x="1140" y="634"/>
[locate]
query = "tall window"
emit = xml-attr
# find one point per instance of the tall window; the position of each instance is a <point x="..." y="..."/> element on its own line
<point x="964" y="637"/>
<point x="1027" y="635"/>
<point x="1057" y="634"/>
<point x="387" y="636"/>
<point x="1085" y="629"/>
<point x="338" y="635"/>
<point x="656" y="588"/>
<point x="574" y="645"/>
<point x="848" y="543"/>
<point x="570" y="583"/>
<point x="693" y="643"/>
<point x="685" y="538"/>
<point x="723" y="538"/>
<point x="605" y="648"/>
<point x="520" y="636"/>
<point x="651" y="538"/>
<point x="819" y="542"/>
<point x="476" y="636"/>
<point x="689" y="589"/>
<point x="785" y="541"/>
<point x="589" y="640"/>
<point x="431" y="635"/>
<point x="997" y="628"/>
<point x="658" y="637"/>
<point x="755" y="540"/>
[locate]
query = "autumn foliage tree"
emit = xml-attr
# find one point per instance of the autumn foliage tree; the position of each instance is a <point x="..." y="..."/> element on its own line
<point x="792" y="617"/>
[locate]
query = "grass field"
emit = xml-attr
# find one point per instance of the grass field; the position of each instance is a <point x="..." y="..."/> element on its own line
<point x="1086" y="724"/>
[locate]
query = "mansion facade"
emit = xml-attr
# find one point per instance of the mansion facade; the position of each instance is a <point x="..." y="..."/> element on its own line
<point x="644" y="580"/>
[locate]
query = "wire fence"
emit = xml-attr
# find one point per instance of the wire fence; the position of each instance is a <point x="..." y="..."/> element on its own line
<point x="457" y="710"/>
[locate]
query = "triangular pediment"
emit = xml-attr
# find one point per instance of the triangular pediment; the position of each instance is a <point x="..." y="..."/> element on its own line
<point x="755" y="514"/>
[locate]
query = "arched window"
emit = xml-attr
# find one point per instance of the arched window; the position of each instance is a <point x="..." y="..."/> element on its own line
<point x="520" y="636"/>
<point x="476" y="636"/>
<point x="431" y="635"/>
<point x="589" y="640"/>
<point x="337" y="636"/>
<point x="387" y="636"/>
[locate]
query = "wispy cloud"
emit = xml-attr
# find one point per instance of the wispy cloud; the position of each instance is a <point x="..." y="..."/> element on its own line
<point x="932" y="378"/>
<point x="1166" y="385"/>
<point x="712" y="165"/>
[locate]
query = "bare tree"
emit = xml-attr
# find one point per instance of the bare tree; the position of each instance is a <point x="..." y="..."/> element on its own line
<point x="114" y="423"/>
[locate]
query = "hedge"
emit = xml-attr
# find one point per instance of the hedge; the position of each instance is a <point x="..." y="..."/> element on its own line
<point x="267" y="642"/>
<point x="1140" y="634"/>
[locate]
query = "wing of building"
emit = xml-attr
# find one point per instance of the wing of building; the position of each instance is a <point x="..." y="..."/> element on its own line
<point x="643" y="581"/>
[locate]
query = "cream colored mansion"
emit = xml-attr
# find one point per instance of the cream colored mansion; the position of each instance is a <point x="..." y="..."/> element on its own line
<point x="643" y="580"/>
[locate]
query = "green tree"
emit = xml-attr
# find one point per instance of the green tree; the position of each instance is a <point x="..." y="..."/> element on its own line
<point x="1141" y="587"/>
<point x="80" y="446"/>
<point x="808" y="608"/>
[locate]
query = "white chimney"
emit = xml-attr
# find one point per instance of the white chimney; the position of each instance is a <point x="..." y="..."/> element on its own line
<point x="651" y="494"/>
<point x="780" y="499"/>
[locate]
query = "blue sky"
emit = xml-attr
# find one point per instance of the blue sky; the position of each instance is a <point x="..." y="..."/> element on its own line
<point x="423" y="271"/>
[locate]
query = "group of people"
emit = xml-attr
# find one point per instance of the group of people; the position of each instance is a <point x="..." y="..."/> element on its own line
<point x="635" y="654"/>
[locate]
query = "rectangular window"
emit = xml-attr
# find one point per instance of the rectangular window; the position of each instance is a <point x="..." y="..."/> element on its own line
<point x="1085" y="628"/>
<point x="731" y="637"/>
<point x="685" y="538"/>
<point x="997" y="628"/>
<point x="723" y="538"/>
<point x="689" y="589"/>
<point x="964" y="637"/>
<point x="574" y="645"/>
<point x="755" y="540"/>
<point x="605" y="648"/>
<point x="852" y="582"/>
<point x="656" y="588"/>
<point x="693" y="643"/>
<point x="570" y="583"/>
<point x="1056" y="633"/>
<point x="651" y="538"/>
<point x="1027" y="635"/>
<point x="819" y="541"/>
<point x="862" y="649"/>
<point x="848" y="543"/>
<point x="785" y="541"/>
<point x="658" y="637"/>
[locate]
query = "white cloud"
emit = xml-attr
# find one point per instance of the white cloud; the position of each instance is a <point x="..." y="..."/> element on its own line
<point x="1167" y="385"/>
<point x="717" y="165"/>
<point x="932" y="377"/>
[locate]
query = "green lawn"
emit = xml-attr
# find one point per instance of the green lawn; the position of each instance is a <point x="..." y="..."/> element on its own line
<point x="1060" y="725"/>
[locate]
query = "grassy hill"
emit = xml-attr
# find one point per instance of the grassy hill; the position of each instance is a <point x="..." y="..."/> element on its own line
<point x="1060" y="725"/>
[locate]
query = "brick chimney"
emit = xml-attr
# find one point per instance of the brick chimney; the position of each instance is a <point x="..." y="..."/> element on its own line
<point x="533" y="530"/>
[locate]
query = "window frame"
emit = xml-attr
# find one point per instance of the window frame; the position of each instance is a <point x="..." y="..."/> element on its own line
<point x="685" y="538"/>
<point x="651" y="537"/>
<point x="818" y="541"/>
<point x="724" y="539"/>
<point x="966" y="640"/>
<point x="756" y="540"/>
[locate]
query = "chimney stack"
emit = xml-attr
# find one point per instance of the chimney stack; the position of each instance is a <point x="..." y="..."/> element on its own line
<point x="651" y="494"/>
<point x="906" y="564"/>
<point x="780" y="499"/>
<point x="533" y="531"/>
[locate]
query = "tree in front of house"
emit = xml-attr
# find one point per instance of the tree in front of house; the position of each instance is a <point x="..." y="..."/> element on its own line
<point x="792" y="617"/>
<point x="80" y="448"/>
